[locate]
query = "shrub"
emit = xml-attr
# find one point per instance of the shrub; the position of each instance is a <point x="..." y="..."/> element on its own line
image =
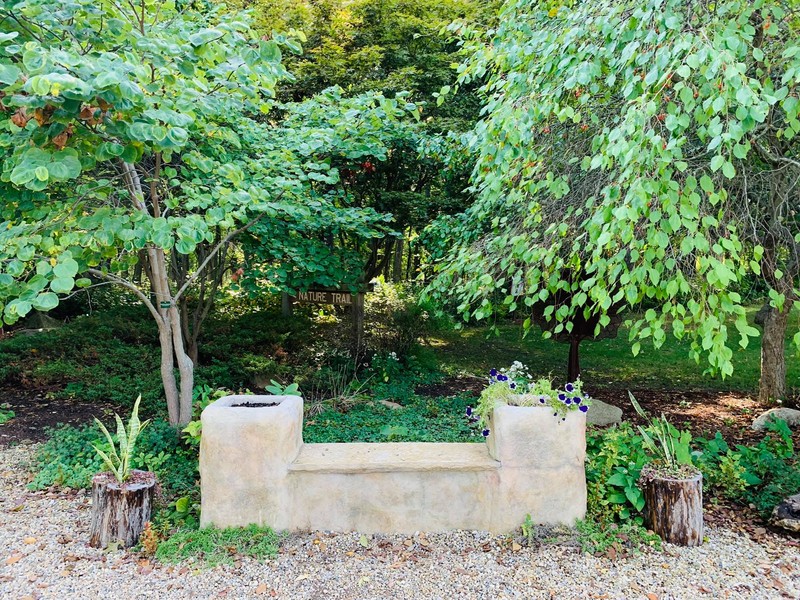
<point x="614" y="461"/>
<point x="68" y="459"/>
<point x="395" y="319"/>
<point x="761" y="475"/>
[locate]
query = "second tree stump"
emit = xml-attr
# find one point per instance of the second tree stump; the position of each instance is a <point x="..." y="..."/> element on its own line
<point x="673" y="507"/>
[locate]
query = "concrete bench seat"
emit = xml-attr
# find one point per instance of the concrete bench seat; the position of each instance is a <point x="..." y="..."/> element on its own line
<point x="255" y="469"/>
<point x="397" y="457"/>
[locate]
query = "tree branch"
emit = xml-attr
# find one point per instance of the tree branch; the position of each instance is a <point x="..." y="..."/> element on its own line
<point x="130" y="286"/>
<point x="213" y="253"/>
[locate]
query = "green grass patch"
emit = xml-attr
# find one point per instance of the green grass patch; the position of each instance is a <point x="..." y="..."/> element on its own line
<point x="604" y="363"/>
<point x="420" y="420"/>
<point x="615" y="540"/>
<point x="211" y="546"/>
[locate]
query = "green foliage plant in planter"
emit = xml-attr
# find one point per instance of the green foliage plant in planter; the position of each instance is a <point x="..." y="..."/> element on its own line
<point x="122" y="498"/>
<point x="515" y="387"/>
<point x="671" y="484"/>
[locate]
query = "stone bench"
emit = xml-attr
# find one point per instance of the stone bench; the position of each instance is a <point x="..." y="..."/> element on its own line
<point x="255" y="468"/>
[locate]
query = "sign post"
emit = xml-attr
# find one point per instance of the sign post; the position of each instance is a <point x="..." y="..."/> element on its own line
<point x="337" y="298"/>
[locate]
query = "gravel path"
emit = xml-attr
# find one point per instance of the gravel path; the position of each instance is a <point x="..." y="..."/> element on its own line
<point x="43" y="554"/>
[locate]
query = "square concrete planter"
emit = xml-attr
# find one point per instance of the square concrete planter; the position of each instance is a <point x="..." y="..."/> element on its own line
<point x="255" y="468"/>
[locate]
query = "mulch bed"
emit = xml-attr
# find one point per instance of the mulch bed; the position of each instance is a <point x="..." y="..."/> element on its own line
<point x="36" y="411"/>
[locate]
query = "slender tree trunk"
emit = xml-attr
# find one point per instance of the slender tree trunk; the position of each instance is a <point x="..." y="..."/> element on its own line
<point x="185" y="367"/>
<point x="387" y="263"/>
<point x="177" y="392"/>
<point x="397" y="270"/>
<point x="772" y="386"/>
<point x="574" y="365"/>
<point x="168" y="373"/>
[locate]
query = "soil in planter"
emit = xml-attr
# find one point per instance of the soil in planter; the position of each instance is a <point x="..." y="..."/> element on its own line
<point x="255" y="404"/>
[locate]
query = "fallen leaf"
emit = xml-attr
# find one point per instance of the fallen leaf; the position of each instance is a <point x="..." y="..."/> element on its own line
<point x="302" y="577"/>
<point x="409" y="543"/>
<point x="14" y="558"/>
<point x="261" y="589"/>
<point x="515" y="547"/>
<point x="652" y="596"/>
<point x="364" y="540"/>
<point x="29" y="540"/>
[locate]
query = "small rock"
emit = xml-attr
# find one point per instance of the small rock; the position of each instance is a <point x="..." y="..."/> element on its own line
<point x="790" y="415"/>
<point x="601" y="413"/>
<point x="787" y="514"/>
<point x="390" y="404"/>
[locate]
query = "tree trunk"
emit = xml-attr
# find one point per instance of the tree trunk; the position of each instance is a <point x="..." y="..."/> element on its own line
<point x="574" y="365"/>
<point x="397" y="270"/>
<point x="772" y="386"/>
<point x="120" y="510"/>
<point x="286" y="305"/>
<point x="387" y="262"/>
<point x="673" y="508"/>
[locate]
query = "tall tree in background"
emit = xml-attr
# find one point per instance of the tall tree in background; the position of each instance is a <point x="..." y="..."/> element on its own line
<point x="638" y="152"/>
<point x="133" y="138"/>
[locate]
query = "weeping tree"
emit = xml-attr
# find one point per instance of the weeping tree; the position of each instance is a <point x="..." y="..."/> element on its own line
<point x="130" y="138"/>
<point x="637" y="153"/>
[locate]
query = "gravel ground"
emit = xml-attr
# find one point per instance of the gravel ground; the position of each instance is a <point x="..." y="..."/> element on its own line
<point x="43" y="554"/>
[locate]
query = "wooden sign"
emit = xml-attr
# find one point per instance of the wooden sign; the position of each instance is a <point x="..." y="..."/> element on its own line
<point x="339" y="297"/>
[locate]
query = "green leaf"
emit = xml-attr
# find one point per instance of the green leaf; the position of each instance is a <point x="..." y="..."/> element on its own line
<point x="62" y="285"/>
<point x="66" y="268"/>
<point x="45" y="301"/>
<point x="9" y="74"/>
<point x="618" y="479"/>
<point x="204" y="36"/>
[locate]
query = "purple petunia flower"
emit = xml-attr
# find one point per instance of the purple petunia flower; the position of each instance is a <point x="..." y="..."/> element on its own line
<point x="568" y="401"/>
<point x="562" y="397"/>
<point x="493" y="373"/>
<point x="541" y="399"/>
<point x="502" y="377"/>
<point x="512" y="385"/>
<point x="469" y="411"/>
<point x="569" y="387"/>
<point x="485" y="433"/>
<point x="584" y="408"/>
<point x="576" y="399"/>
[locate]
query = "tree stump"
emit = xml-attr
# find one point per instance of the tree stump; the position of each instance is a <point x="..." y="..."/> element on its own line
<point x="673" y="507"/>
<point x="120" y="510"/>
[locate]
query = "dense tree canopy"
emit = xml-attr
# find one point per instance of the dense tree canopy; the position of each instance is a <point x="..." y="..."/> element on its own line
<point x="637" y="154"/>
<point x="135" y="143"/>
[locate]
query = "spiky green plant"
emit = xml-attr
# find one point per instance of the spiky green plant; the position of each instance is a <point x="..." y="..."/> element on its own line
<point x="119" y="462"/>
<point x="670" y="446"/>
